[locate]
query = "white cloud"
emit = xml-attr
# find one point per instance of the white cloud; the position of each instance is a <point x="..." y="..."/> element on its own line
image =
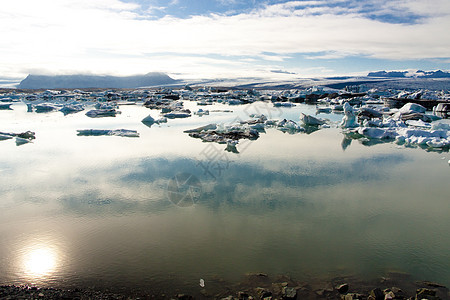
<point x="110" y="36"/>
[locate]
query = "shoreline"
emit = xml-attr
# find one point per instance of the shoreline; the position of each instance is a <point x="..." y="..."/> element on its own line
<point x="254" y="286"/>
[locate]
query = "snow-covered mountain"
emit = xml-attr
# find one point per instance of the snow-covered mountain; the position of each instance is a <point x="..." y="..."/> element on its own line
<point x="410" y="74"/>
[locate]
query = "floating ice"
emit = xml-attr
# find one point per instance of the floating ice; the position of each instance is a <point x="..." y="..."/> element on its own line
<point x="71" y="108"/>
<point x="367" y="112"/>
<point x="289" y="126"/>
<point x="203" y="128"/>
<point x="377" y="133"/>
<point x="45" y="107"/>
<point x="310" y="120"/>
<point x="101" y="132"/>
<point x="283" y="104"/>
<point x="98" y="113"/>
<point x="177" y="115"/>
<point x="201" y="112"/>
<point x="324" y="110"/>
<point x="5" y="136"/>
<point x="148" y="120"/>
<point x="409" y="108"/>
<point x="5" y="106"/>
<point x="418" y="123"/>
<point x="349" y="119"/>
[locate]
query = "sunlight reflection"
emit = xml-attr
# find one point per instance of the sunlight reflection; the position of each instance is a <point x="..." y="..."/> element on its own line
<point x="40" y="261"/>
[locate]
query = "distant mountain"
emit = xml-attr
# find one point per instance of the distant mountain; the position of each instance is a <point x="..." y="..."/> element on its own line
<point x="94" y="81"/>
<point x="407" y="74"/>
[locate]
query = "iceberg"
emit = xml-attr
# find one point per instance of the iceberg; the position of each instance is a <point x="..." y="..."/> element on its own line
<point x="310" y="120"/>
<point x="369" y="113"/>
<point x="224" y="134"/>
<point x="107" y="132"/>
<point x="409" y="108"/>
<point x="201" y="112"/>
<point x="45" y="107"/>
<point x="289" y="126"/>
<point x="99" y="113"/>
<point x="5" y="106"/>
<point x="377" y="133"/>
<point x="21" y="138"/>
<point x="148" y="120"/>
<point x="4" y="137"/>
<point x="349" y="119"/>
<point x="283" y="104"/>
<point x="177" y="115"/>
<point x="71" y="108"/>
<point x="202" y="128"/>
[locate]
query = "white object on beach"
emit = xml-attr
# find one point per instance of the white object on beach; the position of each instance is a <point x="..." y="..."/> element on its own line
<point x="202" y="283"/>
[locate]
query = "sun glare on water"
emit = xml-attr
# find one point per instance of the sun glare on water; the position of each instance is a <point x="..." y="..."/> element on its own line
<point x="39" y="262"/>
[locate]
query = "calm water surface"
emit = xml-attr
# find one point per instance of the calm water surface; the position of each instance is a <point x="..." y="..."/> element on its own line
<point x="99" y="211"/>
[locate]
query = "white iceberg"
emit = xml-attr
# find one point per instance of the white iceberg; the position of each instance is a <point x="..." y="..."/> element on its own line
<point x="349" y="119"/>
<point x="98" y="113"/>
<point x="377" y="133"/>
<point x="310" y="120"/>
<point x="409" y="108"/>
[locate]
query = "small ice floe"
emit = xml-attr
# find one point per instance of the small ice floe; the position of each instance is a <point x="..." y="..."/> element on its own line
<point x="148" y="120"/>
<point x="224" y="134"/>
<point x="5" y="106"/>
<point x="258" y="116"/>
<point x="71" y="108"/>
<point x="369" y="113"/>
<point x="45" y="107"/>
<point x="377" y="133"/>
<point x="21" y="138"/>
<point x="418" y="123"/>
<point x="177" y="115"/>
<point x="107" y="132"/>
<point x="289" y="126"/>
<point x="111" y="105"/>
<point x="4" y="136"/>
<point x="21" y="141"/>
<point x="202" y="128"/>
<point x="323" y="110"/>
<point x="234" y="101"/>
<point x="310" y="120"/>
<point x="99" y="113"/>
<point x="283" y="104"/>
<point x="201" y="112"/>
<point x="161" y="120"/>
<point x="337" y="108"/>
<point x="257" y="126"/>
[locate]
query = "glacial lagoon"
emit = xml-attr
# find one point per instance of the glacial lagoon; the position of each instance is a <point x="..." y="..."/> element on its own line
<point x="164" y="210"/>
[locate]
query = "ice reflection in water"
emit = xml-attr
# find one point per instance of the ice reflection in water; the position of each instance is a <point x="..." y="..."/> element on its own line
<point x="287" y="203"/>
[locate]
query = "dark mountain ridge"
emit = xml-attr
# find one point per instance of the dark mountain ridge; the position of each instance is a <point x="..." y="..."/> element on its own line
<point x="94" y="81"/>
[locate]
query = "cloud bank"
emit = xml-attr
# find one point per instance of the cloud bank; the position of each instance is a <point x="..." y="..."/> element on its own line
<point x="114" y="37"/>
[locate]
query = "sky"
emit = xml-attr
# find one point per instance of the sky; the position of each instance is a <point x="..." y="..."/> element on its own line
<point x="222" y="38"/>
